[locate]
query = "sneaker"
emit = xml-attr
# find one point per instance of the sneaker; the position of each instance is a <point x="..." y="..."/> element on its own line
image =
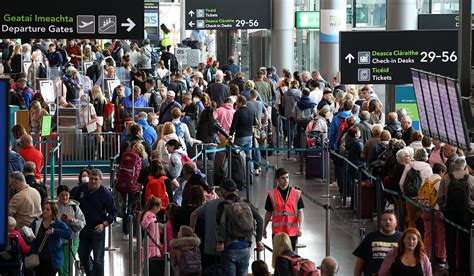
<point x="257" y="172"/>
<point x="125" y="237"/>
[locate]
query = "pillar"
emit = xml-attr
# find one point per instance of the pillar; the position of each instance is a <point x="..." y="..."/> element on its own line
<point x="283" y="14"/>
<point x="225" y="43"/>
<point x="401" y="15"/>
<point x="182" y="25"/>
<point x="333" y="20"/>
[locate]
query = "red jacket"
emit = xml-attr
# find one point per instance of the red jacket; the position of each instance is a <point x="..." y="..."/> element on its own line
<point x="31" y="154"/>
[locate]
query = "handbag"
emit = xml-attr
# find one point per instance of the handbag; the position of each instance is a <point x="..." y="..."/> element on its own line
<point x="33" y="260"/>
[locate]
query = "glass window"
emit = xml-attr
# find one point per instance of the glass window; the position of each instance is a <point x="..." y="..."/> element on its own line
<point x="369" y="13"/>
<point x="440" y="6"/>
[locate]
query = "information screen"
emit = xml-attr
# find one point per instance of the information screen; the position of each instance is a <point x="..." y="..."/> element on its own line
<point x="4" y="142"/>
<point x="420" y="104"/>
<point x="439" y="107"/>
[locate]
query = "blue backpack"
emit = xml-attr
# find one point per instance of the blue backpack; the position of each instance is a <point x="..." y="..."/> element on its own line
<point x="178" y="129"/>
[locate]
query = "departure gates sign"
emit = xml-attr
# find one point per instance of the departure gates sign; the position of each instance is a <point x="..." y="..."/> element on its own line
<point x="228" y="15"/>
<point x="385" y="57"/>
<point x="80" y="19"/>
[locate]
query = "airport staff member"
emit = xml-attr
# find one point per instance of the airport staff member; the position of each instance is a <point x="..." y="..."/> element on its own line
<point x="285" y="205"/>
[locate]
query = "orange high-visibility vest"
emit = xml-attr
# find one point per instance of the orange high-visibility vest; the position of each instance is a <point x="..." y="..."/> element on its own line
<point x="285" y="214"/>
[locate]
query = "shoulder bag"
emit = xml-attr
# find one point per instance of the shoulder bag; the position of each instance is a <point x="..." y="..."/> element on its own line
<point x="33" y="260"/>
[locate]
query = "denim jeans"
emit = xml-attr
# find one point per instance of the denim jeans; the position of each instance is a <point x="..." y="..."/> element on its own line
<point x="89" y="241"/>
<point x="246" y="142"/>
<point x="236" y="261"/>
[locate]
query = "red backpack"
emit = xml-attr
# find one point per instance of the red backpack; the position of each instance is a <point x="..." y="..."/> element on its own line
<point x="127" y="175"/>
<point x="157" y="188"/>
<point x="301" y="266"/>
<point x="342" y="126"/>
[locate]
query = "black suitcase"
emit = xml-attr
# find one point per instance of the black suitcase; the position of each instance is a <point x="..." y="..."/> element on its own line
<point x="238" y="167"/>
<point x="315" y="161"/>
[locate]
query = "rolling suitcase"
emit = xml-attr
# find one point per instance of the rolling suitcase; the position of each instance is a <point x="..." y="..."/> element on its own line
<point x="366" y="199"/>
<point x="314" y="164"/>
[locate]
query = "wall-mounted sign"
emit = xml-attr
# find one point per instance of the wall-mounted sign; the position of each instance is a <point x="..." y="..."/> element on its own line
<point x="333" y="21"/>
<point x="151" y="19"/>
<point x="222" y="15"/>
<point x="307" y="20"/>
<point x="97" y="19"/>
<point x="385" y="57"/>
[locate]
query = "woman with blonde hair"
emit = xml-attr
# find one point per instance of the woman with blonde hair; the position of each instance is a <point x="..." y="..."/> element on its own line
<point x="282" y="247"/>
<point x="168" y="133"/>
<point x="339" y="101"/>
<point x="409" y="259"/>
<point x="36" y="115"/>
<point x="15" y="60"/>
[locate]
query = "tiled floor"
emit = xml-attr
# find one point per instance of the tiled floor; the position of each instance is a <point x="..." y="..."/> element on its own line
<point x="344" y="234"/>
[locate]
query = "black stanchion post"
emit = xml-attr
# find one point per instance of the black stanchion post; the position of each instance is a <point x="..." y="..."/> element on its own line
<point x="401" y="208"/>
<point x="130" y="244"/>
<point x="204" y="160"/>
<point x="138" y="251"/>
<point x="45" y="162"/>
<point x="247" y="173"/>
<point x="472" y="246"/>
<point x="229" y="161"/>
<point x="344" y="183"/>
<point x="433" y="237"/>
<point x="328" y="230"/>
<point x="378" y="202"/>
<point x="357" y="190"/>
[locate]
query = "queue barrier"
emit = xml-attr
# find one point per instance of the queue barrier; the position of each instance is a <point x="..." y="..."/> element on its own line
<point x="364" y="174"/>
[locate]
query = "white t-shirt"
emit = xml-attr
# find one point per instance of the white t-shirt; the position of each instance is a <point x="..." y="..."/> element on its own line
<point x="85" y="115"/>
<point x="316" y="95"/>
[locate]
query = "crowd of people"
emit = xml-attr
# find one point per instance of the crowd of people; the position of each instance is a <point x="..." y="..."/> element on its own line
<point x="214" y="105"/>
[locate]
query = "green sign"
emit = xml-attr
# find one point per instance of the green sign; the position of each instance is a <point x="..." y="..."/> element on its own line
<point x="46" y="125"/>
<point x="362" y="15"/>
<point x="307" y="20"/>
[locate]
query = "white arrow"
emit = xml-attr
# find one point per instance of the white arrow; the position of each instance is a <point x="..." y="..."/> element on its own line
<point x="191" y="24"/>
<point x="191" y="13"/>
<point x="362" y="15"/>
<point x="349" y="58"/>
<point x="130" y="24"/>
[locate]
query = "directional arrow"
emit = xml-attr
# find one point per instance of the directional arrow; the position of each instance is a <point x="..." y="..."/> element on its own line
<point x="130" y="24"/>
<point x="349" y="58"/>
<point x="362" y="15"/>
<point x="191" y="24"/>
<point x="191" y="13"/>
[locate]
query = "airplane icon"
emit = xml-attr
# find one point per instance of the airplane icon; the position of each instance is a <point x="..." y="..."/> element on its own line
<point x="85" y="24"/>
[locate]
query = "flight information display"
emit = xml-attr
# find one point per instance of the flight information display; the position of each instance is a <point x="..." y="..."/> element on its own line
<point x="439" y="107"/>
<point x="421" y="108"/>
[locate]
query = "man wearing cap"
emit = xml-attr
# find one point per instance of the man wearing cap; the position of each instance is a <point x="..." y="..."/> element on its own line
<point x="284" y="206"/>
<point x="25" y="91"/>
<point x="137" y="101"/>
<point x="167" y="106"/>
<point x="235" y="247"/>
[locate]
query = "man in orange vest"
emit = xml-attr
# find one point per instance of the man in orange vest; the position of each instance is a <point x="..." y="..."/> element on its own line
<point x="285" y="205"/>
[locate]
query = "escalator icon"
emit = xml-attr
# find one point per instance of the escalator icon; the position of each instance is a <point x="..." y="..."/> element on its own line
<point x="107" y="24"/>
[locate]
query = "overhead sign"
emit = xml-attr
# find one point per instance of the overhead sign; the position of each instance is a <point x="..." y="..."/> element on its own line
<point x="307" y="20"/>
<point x="438" y="21"/>
<point x="97" y="19"/>
<point x="362" y="15"/>
<point x="385" y="57"/>
<point x="440" y="108"/>
<point x="225" y="15"/>
<point x="4" y="141"/>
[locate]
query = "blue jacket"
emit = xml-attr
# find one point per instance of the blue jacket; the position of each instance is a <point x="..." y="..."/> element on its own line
<point x="97" y="206"/>
<point x="140" y="102"/>
<point x="335" y="123"/>
<point x="54" y="242"/>
<point x="149" y="133"/>
<point x="16" y="162"/>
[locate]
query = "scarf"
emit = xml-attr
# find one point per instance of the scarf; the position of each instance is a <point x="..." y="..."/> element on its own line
<point x="305" y="103"/>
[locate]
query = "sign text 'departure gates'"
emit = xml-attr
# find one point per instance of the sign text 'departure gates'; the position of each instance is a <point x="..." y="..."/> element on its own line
<point x="57" y="19"/>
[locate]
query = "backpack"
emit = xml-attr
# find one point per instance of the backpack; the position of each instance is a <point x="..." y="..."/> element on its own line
<point x="154" y="101"/>
<point x="18" y="100"/>
<point x="301" y="266"/>
<point x="160" y="185"/>
<point x="179" y="131"/>
<point x="11" y="255"/>
<point x="155" y="58"/>
<point x="182" y="89"/>
<point x="412" y="183"/>
<point x="342" y="126"/>
<point x="42" y="73"/>
<point x="458" y="195"/>
<point x="239" y="219"/>
<point x="41" y="188"/>
<point x="127" y="175"/>
<point x="378" y="165"/>
<point x="427" y="193"/>
<point x="190" y="261"/>
<point x="185" y="159"/>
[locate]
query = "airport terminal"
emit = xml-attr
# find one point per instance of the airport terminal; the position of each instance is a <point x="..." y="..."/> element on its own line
<point x="265" y="137"/>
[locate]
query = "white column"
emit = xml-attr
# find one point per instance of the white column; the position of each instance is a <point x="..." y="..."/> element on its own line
<point x="282" y="34"/>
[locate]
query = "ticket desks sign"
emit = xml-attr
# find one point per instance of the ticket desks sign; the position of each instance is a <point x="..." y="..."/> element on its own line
<point x="385" y="57"/>
<point x="228" y="15"/>
<point x="80" y="19"/>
